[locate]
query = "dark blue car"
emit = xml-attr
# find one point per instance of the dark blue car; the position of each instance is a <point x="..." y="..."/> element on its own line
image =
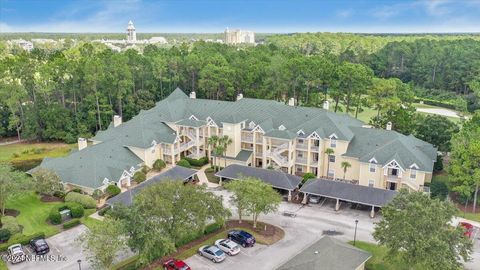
<point x="242" y="237"/>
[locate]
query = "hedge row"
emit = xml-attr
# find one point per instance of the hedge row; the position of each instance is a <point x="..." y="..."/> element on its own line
<point x="112" y="190"/>
<point x="71" y="223"/>
<point x="76" y="211"/>
<point x="104" y="210"/>
<point x="184" y="163"/>
<point x="436" y="103"/>
<point x="197" y="162"/>
<point x="20" y="239"/>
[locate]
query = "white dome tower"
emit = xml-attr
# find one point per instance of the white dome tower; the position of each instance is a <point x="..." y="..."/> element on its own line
<point x="131" y="35"/>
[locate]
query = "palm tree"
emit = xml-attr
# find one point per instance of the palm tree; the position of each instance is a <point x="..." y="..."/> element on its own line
<point x="213" y="142"/>
<point x="345" y="165"/>
<point x="225" y="141"/>
<point x="329" y="152"/>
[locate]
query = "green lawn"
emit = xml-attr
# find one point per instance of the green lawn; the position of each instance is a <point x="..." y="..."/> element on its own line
<point x="364" y="116"/>
<point x="88" y="221"/>
<point x="22" y="151"/>
<point x="380" y="259"/>
<point x="33" y="214"/>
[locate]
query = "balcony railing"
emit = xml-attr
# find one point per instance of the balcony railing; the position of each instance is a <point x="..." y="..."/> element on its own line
<point x="258" y="139"/>
<point x="301" y="160"/>
<point x="314" y="148"/>
<point x="302" y="146"/>
<point x="247" y="138"/>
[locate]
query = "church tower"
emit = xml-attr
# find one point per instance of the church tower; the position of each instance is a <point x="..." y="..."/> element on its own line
<point x="131" y="35"/>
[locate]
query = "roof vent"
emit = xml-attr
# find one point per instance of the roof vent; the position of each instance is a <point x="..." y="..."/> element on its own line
<point x="239" y="96"/>
<point x="389" y="126"/>
<point x="291" y="102"/>
<point x="326" y="105"/>
<point x="82" y="143"/>
<point x="193" y="95"/>
<point x="316" y="252"/>
<point x="117" y="120"/>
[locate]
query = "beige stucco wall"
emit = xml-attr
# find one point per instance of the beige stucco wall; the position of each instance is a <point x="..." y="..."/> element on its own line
<point x="221" y="162"/>
<point x="148" y="155"/>
<point x="234" y="132"/>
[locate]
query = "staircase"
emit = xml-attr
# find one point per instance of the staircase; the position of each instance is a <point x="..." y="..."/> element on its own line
<point x="277" y="157"/>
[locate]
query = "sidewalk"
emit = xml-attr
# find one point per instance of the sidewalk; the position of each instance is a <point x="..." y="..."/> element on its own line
<point x="202" y="178"/>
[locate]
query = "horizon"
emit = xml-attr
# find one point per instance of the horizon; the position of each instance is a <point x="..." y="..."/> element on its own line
<point x="264" y="16"/>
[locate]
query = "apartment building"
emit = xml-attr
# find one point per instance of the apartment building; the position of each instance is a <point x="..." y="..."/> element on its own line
<point x="264" y="133"/>
<point x="239" y="36"/>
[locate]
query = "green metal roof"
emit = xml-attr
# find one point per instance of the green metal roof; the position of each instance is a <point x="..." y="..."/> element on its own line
<point x="90" y="166"/>
<point x="243" y="155"/>
<point x="388" y="145"/>
<point x="191" y="123"/>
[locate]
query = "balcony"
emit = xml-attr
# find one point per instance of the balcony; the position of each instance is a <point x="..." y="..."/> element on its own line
<point x="302" y="146"/>
<point x="195" y="156"/>
<point x="314" y="148"/>
<point x="247" y="138"/>
<point x="258" y="139"/>
<point x="301" y="160"/>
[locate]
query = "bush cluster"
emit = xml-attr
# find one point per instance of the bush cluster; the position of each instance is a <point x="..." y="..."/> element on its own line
<point x="145" y="169"/>
<point x="104" y="210"/>
<point x="54" y="217"/>
<point x="139" y="177"/>
<point x="213" y="227"/>
<point x="76" y="209"/>
<point x="197" y="162"/>
<point x="21" y="239"/>
<point x="183" y="163"/>
<point x="71" y="223"/>
<point x="11" y="224"/>
<point x="4" y="235"/>
<point x="59" y="194"/>
<point x="158" y="165"/>
<point x="85" y="200"/>
<point x="112" y="190"/>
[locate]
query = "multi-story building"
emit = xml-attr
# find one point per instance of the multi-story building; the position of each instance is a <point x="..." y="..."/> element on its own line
<point x="239" y="36"/>
<point x="264" y="133"/>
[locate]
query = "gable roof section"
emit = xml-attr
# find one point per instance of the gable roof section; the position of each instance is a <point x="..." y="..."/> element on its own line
<point x="327" y="253"/>
<point x="277" y="179"/>
<point x="90" y="166"/>
<point x="176" y="173"/>
<point x="388" y="145"/>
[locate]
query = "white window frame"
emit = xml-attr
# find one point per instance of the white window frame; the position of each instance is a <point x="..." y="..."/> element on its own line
<point x="282" y="127"/>
<point x="333" y="142"/>
<point x="299" y="168"/>
<point x="334" y="158"/>
<point x="371" y="183"/>
<point x="300" y="132"/>
<point x="331" y="173"/>
<point x="372" y="167"/>
<point x="413" y="173"/>
<point x="301" y="141"/>
<point x="251" y="125"/>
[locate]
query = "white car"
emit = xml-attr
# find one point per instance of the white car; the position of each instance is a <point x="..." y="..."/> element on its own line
<point x="228" y="246"/>
<point x="16" y="253"/>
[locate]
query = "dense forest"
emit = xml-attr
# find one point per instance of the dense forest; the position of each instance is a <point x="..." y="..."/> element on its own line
<point x="64" y="93"/>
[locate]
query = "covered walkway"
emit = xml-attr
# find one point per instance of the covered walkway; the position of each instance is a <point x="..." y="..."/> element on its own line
<point x="340" y="191"/>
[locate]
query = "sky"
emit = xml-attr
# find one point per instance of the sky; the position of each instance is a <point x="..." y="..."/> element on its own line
<point x="263" y="16"/>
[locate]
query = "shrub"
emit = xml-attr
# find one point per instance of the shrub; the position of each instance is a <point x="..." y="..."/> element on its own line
<point x="4" y="235"/>
<point x="213" y="227"/>
<point x="197" y="162"/>
<point x="21" y="239"/>
<point x="71" y="223"/>
<point x="15" y="155"/>
<point x="11" y="224"/>
<point x="307" y="176"/>
<point x="76" y="209"/>
<point x="113" y="190"/>
<point x="209" y="170"/>
<point x="183" y="163"/>
<point x="54" y="217"/>
<point x="104" y="210"/>
<point x="139" y="176"/>
<point x="438" y="190"/>
<point x="145" y="169"/>
<point x="59" y="194"/>
<point x="438" y="165"/>
<point x="85" y="200"/>
<point x="159" y="164"/>
<point x="77" y="190"/>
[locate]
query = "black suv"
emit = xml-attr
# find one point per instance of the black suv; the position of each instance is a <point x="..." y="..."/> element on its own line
<point x="242" y="237"/>
<point x="39" y="246"/>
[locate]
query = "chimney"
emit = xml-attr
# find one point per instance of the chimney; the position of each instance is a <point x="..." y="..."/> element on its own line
<point x="239" y="96"/>
<point x="117" y="120"/>
<point x="389" y="126"/>
<point x="193" y="95"/>
<point x="326" y="105"/>
<point x="291" y="102"/>
<point x="82" y="143"/>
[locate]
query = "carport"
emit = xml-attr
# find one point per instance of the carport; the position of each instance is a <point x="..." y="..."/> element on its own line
<point x="374" y="197"/>
<point x="175" y="173"/>
<point x="277" y="179"/>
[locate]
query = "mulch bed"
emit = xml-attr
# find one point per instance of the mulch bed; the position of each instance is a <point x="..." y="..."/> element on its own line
<point x="269" y="234"/>
<point x="12" y="212"/>
<point x="50" y="198"/>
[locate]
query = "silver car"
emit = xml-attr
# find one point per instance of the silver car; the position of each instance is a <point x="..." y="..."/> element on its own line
<point x="314" y="199"/>
<point x="212" y="252"/>
<point x="228" y="246"/>
<point x="16" y="253"/>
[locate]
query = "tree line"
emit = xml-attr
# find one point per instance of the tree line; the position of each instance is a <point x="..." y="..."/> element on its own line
<point x="67" y="93"/>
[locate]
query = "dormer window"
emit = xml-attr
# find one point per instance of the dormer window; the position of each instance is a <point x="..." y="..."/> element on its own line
<point x="242" y="125"/>
<point x="301" y="133"/>
<point x="281" y="127"/>
<point x="333" y="142"/>
<point x="251" y="125"/>
<point x="413" y="173"/>
<point x="373" y="167"/>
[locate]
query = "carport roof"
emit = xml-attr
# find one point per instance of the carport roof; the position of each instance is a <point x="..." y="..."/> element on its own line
<point x="349" y="192"/>
<point x="175" y="173"/>
<point x="327" y="253"/>
<point x="277" y="179"/>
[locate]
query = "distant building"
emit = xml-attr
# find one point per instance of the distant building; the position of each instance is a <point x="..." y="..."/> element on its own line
<point x="239" y="36"/>
<point x="131" y="35"/>
<point x="26" y="45"/>
<point x="131" y="40"/>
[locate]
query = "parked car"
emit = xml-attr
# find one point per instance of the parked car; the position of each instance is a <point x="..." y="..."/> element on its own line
<point x="467" y="229"/>
<point x="39" y="246"/>
<point x="16" y="253"/>
<point x="242" y="237"/>
<point x="228" y="246"/>
<point x="314" y="199"/>
<point x="212" y="252"/>
<point x="174" y="264"/>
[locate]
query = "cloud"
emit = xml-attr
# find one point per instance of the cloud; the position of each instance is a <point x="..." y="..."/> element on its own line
<point x="386" y="12"/>
<point x="345" y="13"/>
